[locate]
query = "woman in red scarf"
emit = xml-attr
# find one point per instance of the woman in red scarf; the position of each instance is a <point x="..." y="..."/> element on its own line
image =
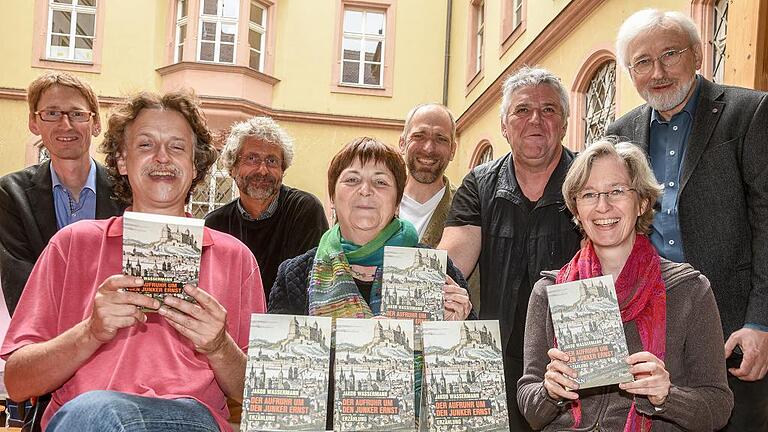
<point x="669" y="313"/>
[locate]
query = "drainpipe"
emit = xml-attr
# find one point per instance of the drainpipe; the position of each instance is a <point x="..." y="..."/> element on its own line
<point x="447" y="61"/>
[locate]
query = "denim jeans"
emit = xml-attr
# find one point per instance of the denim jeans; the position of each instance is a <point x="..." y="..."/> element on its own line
<point x="106" y="411"/>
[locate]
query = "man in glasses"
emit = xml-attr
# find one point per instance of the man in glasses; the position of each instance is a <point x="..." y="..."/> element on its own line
<point x="275" y="221"/>
<point x="509" y="215"/>
<point x="41" y="199"/>
<point x="707" y="146"/>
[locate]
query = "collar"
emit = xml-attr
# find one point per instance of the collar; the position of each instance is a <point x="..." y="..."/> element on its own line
<point x="690" y="106"/>
<point x="115" y="229"/>
<point x="265" y="215"/>
<point x="507" y="186"/>
<point x="90" y="182"/>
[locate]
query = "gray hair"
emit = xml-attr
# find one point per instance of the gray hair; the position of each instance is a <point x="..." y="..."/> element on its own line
<point x="414" y="110"/>
<point x="261" y="128"/>
<point x="531" y="77"/>
<point x="648" y="20"/>
<point x="641" y="176"/>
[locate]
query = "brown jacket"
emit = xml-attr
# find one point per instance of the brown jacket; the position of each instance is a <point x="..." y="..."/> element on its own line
<point x="699" y="398"/>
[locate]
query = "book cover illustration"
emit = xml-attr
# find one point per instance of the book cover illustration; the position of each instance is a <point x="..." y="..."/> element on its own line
<point x="373" y="371"/>
<point x="588" y="328"/>
<point x="162" y="250"/>
<point x="412" y="285"/>
<point x="286" y="378"/>
<point x="464" y="377"/>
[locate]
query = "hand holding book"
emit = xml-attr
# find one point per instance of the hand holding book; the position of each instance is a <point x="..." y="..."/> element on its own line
<point x="651" y="377"/>
<point x="558" y="379"/>
<point x="203" y="323"/>
<point x="456" y="301"/>
<point x="115" y="308"/>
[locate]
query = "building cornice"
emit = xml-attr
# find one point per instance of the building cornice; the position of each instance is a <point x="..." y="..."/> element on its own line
<point x="553" y="34"/>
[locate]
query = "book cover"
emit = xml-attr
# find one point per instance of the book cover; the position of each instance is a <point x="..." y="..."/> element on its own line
<point x="286" y="378"/>
<point x="373" y="371"/>
<point x="162" y="250"/>
<point x="412" y="285"/>
<point x="588" y="328"/>
<point x="464" y="377"/>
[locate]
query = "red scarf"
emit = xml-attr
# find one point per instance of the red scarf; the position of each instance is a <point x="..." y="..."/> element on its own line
<point x="642" y="298"/>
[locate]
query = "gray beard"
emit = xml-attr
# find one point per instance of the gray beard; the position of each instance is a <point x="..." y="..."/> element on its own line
<point x="666" y="102"/>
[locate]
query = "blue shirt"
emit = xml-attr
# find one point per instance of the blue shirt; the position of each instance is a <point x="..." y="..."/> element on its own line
<point x="68" y="209"/>
<point x="666" y="149"/>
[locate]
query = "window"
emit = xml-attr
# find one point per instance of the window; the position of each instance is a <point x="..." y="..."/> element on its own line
<point x="216" y="190"/>
<point x="218" y="30"/>
<point x="719" y="33"/>
<point x="362" y="51"/>
<point x="512" y="22"/>
<point x="600" y="100"/>
<point x="517" y="13"/>
<point x="475" y="44"/>
<point x="483" y="153"/>
<point x="71" y="30"/>
<point x="479" y="33"/>
<point x="181" y="29"/>
<point x="42" y="154"/>
<point x="257" y="29"/>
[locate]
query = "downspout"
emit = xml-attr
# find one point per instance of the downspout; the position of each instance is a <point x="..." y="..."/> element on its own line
<point x="447" y="60"/>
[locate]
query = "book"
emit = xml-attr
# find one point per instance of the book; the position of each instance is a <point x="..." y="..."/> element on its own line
<point x="588" y="328"/>
<point x="373" y="370"/>
<point x="286" y="377"/>
<point x="463" y="377"/>
<point x="412" y="285"/>
<point x="164" y="251"/>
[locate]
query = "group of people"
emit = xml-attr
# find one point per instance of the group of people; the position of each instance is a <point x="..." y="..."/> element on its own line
<point x="675" y="208"/>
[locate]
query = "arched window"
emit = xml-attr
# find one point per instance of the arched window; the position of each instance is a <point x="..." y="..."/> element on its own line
<point x="483" y="153"/>
<point x="719" y="33"/>
<point x="42" y="154"/>
<point x="600" y="102"/>
<point x="214" y="191"/>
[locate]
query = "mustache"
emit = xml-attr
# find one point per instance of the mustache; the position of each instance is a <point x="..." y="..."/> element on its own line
<point x="662" y="82"/>
<point x="156" y="167"/>
<point x="254" y="177"/>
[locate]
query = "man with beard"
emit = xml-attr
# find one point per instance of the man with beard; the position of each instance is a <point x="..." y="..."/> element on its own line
<point x="275" y="221"/>
<point x="707" y="146"/>
<point x="39" y="200"/>
<point x="509" y="215"/>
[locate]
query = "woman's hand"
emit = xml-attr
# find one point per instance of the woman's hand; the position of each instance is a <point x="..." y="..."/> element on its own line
<point x="651" y="377"/>
<point x="456" y="301"/>
<point x="559" y="378"/>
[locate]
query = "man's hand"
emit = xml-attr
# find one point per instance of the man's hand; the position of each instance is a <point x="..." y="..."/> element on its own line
<point x="114" y="308"/>
<point x="754" y="345"/>
<point x="456" y="301"/>
<point x="204" y="323"/>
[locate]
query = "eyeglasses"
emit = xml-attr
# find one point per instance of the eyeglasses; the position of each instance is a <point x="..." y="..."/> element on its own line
<point x="255" y="160"/>
<point x="74" y="116"/>
<point x="667" y="59"/>
<point x="613" y="195"/>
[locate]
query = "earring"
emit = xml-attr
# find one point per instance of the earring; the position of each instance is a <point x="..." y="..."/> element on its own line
<point x="333" y="216"/>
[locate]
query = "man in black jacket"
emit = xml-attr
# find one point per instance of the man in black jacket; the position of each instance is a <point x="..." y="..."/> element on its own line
<point x="41" y="199"/>
<point x="707" y="146"/>
<point x="509" y="214"/>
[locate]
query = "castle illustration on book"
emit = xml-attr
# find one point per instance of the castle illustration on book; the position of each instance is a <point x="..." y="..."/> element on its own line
<point x="464" y="377"/>
<point x="286" y="378"/>
<point x="588" y="327"/>
<point x="373" y="374"/>
<point x="412" y="285"/>
<point x="164" y="251"/>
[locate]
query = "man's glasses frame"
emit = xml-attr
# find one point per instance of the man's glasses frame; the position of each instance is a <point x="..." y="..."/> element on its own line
<point x="668" y="58"/>
<point x="75" y="116"/>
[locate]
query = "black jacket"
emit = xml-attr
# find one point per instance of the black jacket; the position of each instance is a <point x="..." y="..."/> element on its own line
<point x="28" y="221"/>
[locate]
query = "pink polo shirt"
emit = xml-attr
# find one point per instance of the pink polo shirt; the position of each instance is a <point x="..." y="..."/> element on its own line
<point x="150" y="359"/>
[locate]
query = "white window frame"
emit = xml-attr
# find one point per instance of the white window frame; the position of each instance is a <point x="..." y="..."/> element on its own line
<point x="364" y="37"/>
<point x="74" y="9"/>
<point x="181" y="21"/>
<point x="600" y="109"/>
<point x="479" y="36"/>
<point x="217" y="43"/>
<point x="210" y="181"/>
<point x="517" y="13"/>
<point x="259" y="28"/>
<point x="719" y="39"/>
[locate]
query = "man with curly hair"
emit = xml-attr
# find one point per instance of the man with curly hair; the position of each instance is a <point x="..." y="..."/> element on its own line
<point x="80" y="335"/>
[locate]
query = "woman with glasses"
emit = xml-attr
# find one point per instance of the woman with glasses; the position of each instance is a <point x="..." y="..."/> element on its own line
<point x="670" y="318"/>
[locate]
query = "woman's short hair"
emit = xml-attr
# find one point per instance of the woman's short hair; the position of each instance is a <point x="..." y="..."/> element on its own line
<point x="262" y="128"/>
<point x="53" y="78"/>
<point x="367" y="149"/>
<point x="184" y="102"/>
<point x="641" y="176"/>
